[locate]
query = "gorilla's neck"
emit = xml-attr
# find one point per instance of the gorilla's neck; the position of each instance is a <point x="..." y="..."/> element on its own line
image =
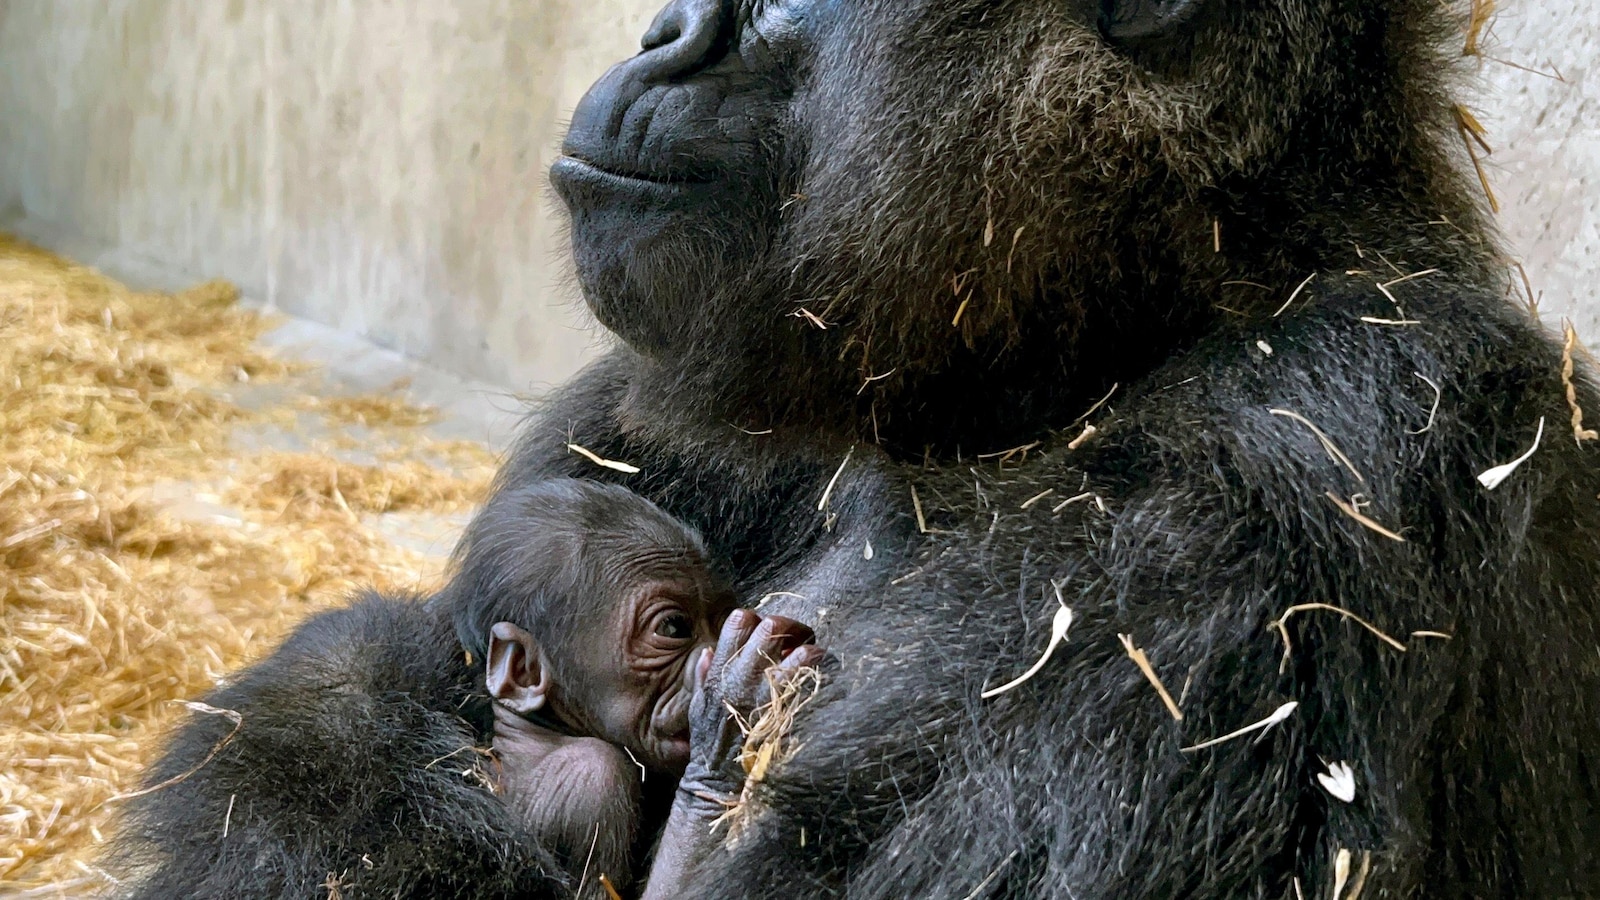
<point x="1134" y="287"/>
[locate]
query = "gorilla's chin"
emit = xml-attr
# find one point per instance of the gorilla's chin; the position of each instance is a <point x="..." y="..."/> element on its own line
<point x="633" y="243"/>
<point x="654" y="257"/>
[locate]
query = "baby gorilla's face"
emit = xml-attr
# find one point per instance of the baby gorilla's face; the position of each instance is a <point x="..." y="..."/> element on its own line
<point x="630" y="682"/>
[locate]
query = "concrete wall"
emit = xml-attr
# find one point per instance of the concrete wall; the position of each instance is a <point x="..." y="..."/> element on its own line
<point x="378" y="165"/>
<point x="1546" y="138"/>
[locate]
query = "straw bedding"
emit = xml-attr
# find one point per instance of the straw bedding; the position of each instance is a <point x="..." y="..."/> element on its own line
<point x="114" y="604"/>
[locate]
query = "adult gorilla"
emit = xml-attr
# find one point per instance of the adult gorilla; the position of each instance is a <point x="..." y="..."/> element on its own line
<point x="933" y="230"/>
<point x="875" y="264"/>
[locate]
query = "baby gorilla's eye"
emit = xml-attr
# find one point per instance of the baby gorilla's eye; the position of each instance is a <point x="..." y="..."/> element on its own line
<point x="676" y="626"/>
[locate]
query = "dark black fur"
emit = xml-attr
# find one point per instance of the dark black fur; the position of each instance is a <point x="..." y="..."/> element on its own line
<point x="882" y="164"/>
<point x="356" y="764"/>
<point x="1475" y="761"/>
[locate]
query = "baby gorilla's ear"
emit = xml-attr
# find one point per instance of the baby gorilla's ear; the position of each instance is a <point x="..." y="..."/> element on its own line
<point x="518" y="674"/>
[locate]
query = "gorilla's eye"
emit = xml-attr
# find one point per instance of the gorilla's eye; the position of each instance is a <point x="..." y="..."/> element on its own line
<point x="675" y="625"/>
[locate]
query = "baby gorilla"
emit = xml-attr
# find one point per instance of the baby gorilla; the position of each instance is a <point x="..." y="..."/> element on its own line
<point x="609" y="643"/>
<point x="585" y="642"/>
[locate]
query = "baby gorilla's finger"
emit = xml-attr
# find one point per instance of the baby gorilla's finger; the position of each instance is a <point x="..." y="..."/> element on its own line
<point x="790" y="634"/>
<point x="699" y="676"/>
<point x="744" y="682"/>
<point x="807" y="656"/>
<point x="799" y="660"/>
<point x="736" y="632"/>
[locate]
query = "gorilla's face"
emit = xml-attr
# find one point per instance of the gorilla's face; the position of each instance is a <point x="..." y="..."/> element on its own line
<point x="672" y="164"/>
<point x="681" y="164"/>
<point x="843" y="199"/>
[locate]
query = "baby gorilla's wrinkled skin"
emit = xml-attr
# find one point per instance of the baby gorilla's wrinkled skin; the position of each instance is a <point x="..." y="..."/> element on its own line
<point x="577" y="789"/>
<point x="642" y="683"/>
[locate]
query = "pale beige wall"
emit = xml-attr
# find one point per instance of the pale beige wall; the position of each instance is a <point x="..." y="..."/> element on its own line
<point x="374" y="164"/>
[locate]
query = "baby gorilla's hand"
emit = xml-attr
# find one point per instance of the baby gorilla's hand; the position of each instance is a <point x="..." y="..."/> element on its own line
<point x="733" y="678"/>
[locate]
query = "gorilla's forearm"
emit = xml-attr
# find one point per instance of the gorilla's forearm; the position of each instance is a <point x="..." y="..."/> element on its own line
<point x="690" y="837"/>
<point x="354" y="762"/>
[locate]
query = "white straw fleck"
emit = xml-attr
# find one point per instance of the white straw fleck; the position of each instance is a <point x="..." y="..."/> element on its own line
<point x="1278" y="715"/>
<point x="1339" y="780"/>
<point x="597" y="459"/>
<point x="1492" y="478"/>
<point x="1058" y="633"/>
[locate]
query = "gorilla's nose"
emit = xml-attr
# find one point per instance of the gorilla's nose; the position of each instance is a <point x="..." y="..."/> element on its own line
<point x="669" y="114"/>
<point x="686" y="36"/>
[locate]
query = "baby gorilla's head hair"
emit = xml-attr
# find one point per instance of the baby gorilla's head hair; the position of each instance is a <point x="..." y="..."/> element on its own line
<point x="550" y="555"/>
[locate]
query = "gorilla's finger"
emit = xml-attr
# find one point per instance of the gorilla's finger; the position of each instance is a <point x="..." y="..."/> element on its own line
<point x="736" y="632"/>
<point x="791" y="633"/>
<point x="743" y="680"/>
<point x="699" y="674"/>
<point x="807" y="656"/>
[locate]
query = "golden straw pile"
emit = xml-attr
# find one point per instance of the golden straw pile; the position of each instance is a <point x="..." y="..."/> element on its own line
<point x="112" y="605"/>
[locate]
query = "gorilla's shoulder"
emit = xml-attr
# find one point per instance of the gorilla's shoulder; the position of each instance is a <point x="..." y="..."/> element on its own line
<point x="1384" y="390"/>
<point x="1358" y="346"/>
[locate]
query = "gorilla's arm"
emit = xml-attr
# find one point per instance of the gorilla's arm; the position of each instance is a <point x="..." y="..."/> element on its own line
<point x="1216" y="521"/>
<point x="804" y="521"/>
<point x="356" y="769"/>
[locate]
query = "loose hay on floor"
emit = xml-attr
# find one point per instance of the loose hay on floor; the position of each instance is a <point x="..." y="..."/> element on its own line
<point x="112" y="607"/>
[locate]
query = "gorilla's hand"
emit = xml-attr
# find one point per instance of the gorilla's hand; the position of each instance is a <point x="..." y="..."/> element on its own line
<point x="731" y="683"/>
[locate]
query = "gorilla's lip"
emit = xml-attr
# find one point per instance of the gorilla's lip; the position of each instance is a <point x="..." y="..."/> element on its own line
<point x="577" y="169"/>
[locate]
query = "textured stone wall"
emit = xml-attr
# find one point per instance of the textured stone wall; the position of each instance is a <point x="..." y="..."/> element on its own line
<point x="378" y="165"/>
